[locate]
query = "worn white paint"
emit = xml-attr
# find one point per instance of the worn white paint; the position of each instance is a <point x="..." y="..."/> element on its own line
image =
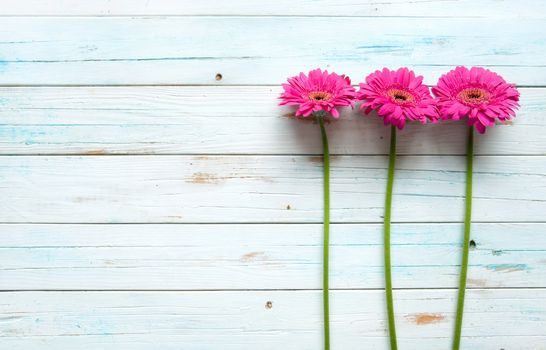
<point x="236" y="320"/>
<point x="428" y="8"/>
<point x="166" y="208"/>
<point x="260" y="50"/>
<point x="228" y="120"/>
<point x="195" y="257"/>
<point x="269" y="189"/>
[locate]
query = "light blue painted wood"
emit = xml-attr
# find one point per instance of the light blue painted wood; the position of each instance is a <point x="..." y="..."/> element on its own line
<point x="265" y="189"/>
<point x="397" y="8"/>
<point x="260" y="50"/>
<point x="229" y="120"/>
<point x="196" y="320"/>
<point x="225" y="186"/>
<point x="261" y="256"/>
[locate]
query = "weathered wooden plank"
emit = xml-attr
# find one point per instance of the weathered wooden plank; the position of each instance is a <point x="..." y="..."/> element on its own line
<point x="495" y="319"/>
<point x="227" y="120"/>
<point x="193" y="257"/>
<point x="244" y="50"/>
<point x="403" y="8"/>
<point x="264" y="189"/>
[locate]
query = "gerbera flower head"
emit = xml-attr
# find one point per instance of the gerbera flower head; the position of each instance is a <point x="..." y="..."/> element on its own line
<point x="477" y="93"/>
<point x="318" y="92"/>
<point x="397" y="96"/>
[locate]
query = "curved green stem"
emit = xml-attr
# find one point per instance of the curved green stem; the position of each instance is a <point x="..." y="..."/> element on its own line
<point x="326" y="244"/>
<point x="387" y="242"/>
<point x="466" y="240"/>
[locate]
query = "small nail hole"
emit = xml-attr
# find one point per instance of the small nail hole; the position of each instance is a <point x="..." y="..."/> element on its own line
<point x="269" y="305"/>
<point x="288" y="207"/>
<point x="472" y="244"/>
<point x="218" y="77"/>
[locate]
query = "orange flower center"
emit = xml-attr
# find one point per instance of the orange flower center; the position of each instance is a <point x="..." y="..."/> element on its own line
<point x="473" y="96"/>
<point x="319" y="96"/>
<point x="400" y="96"/>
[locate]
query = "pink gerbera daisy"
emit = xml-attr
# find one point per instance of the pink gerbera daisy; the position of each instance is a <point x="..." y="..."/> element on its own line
<point x="318" y="92"/>
<point x="476" y="93"/>
<point x="397" y="96"/>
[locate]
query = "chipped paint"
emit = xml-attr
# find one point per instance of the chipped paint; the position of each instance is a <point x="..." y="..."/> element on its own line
<point x="424" y="319"/>
<point x="205" y="178"/>
<point x="208" y="178"/>
<point x="95" y="152"/>
<point x="316" y="159"/>
<point x="253" y="256"/>
<point x="476" y="282"/>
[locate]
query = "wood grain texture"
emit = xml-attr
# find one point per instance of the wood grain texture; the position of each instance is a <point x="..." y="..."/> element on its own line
<point x="219" y="257"/>
<point x="402" y="8"/>
<point x="500" y="319"/>
<point x="146" y="202"/>
<point x="264" y="189"/>
<point x="228" y="120"/>
<point x="259" y="50"/>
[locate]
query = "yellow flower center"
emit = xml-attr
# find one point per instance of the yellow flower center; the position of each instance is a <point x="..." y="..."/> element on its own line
<point x="473" y="96"/>
<point x="319" y="96"/>
<point x="400" y="96"/>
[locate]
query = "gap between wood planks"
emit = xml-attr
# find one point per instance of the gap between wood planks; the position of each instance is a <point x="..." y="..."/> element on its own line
<point x="259" y="290"/>
<point x="196" y="85"/>
<point x="117" y="154"/>
<point x="265" y="223"/>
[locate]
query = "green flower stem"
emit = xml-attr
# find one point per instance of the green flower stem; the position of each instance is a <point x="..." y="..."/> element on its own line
<point x="326" y="244"/>
<point x="387" y="242"/>
<point x="466" y="241"/>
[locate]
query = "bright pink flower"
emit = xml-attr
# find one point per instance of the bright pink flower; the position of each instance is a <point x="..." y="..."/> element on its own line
<point x="476" y="93"/>
<point x="397" y="96"/>
<point x="320" y="91"/>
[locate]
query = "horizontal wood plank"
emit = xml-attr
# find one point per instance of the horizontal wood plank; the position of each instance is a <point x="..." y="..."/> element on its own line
<point x="402" y="8"/>
<point x="215" y="257"/>
<point x="228" y="120"/>
<point x="505" y="319"/>
<point x="259" y="50"/>
<point x="264" y="189"/>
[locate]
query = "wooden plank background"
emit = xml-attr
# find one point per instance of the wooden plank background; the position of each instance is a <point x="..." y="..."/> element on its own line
<point x="154" y="196"/>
